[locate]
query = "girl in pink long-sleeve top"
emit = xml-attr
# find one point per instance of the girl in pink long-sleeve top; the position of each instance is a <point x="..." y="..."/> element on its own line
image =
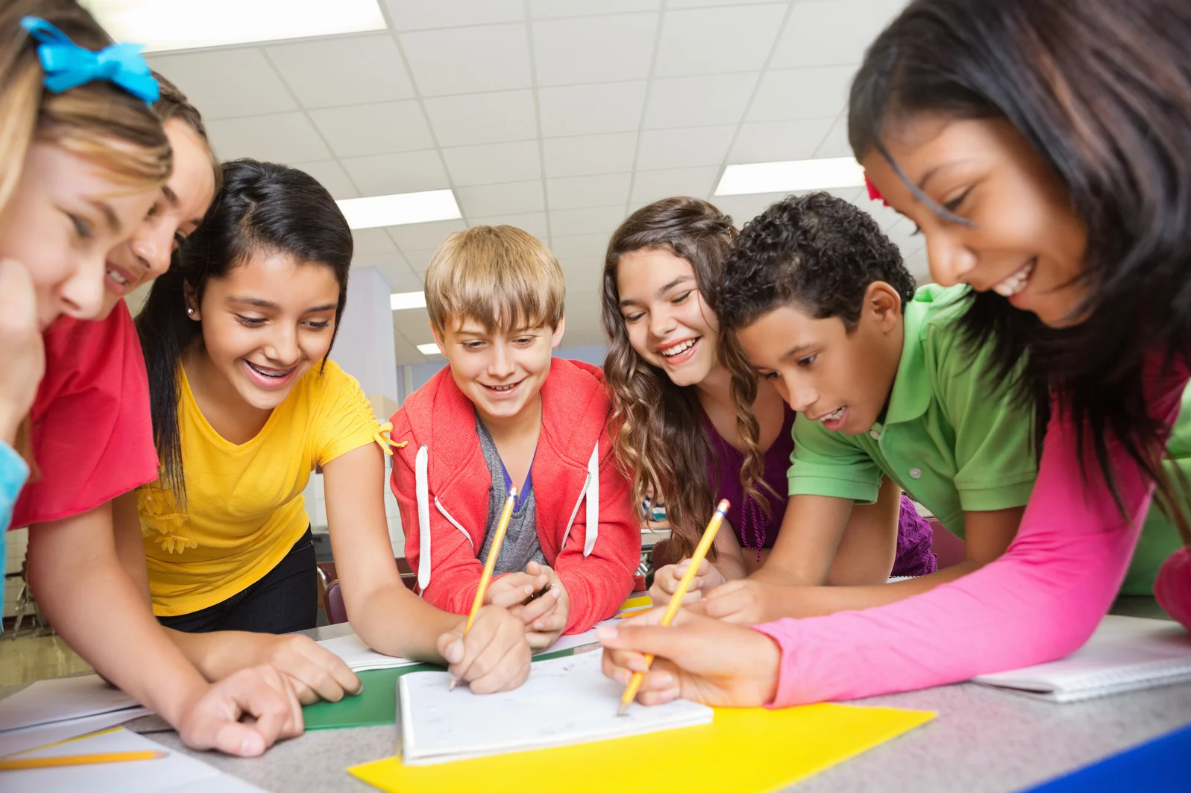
<point x="1057" y="185"/>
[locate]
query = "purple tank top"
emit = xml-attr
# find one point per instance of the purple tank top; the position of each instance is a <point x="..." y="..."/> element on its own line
<point x="754" y="530"/>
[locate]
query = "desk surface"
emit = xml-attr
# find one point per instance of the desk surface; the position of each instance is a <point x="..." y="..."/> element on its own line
<point x="982" y="740"/>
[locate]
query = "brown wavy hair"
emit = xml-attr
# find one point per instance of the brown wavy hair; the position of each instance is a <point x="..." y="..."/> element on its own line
<point x="661" y="443"/>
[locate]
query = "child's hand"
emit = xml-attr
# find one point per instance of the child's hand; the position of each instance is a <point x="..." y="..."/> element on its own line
<point x="513" y="589"/>
<point x="745" y="602"/>
<point x="314" y="672"/>
<point x="545" y="617"/>
<point x="263" y="693"/>
<point x="494" y="656"/>
<point x="665" y="581"/>
<point x="22" y="356"/>
<point x="697" y="658"/>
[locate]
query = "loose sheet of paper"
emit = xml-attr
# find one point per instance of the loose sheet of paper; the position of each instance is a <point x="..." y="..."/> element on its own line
<point x="564" y="701"/>
<point x="176" y="773"/>
<point x="23" y="740"/>
<point x="360" y="657"/>
<point x="64" y="698"/>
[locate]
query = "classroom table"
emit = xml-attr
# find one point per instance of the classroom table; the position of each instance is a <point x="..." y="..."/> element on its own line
<point x="981" y="740"/>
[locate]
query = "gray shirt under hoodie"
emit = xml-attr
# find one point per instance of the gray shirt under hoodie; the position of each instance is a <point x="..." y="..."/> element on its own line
<point x="520" y="546"/>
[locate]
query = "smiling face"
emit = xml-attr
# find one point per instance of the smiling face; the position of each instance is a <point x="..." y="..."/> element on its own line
<point x="842" y="379"/>
<point x="61" y="221"/>
<point x="501" y="372"/>
<point x="667" y="321"/>
<point x="177" y="211"/>
<point x="1009" y="227"/>
<point x="267" y="323"/>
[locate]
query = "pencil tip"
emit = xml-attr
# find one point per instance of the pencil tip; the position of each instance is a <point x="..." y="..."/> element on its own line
<point x="624" y="706"/>
<point x="454" y="682"/>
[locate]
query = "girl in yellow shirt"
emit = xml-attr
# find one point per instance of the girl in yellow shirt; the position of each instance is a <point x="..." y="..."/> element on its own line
<point x="245" y="403"/>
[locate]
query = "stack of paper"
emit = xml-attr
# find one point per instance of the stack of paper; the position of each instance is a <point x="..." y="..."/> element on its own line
<point x="564" y="701"/>
<point x="54" y="710"/>
<point x="1124" y="654"/>
<point x="360" y="657"/>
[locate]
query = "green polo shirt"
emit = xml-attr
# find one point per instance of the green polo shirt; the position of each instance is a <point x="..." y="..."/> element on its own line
<point x="1159" y="534"/>
<point x="950" y="437"/>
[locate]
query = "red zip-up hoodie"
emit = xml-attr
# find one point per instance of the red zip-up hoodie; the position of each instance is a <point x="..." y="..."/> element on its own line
<point x="441" y="482"/>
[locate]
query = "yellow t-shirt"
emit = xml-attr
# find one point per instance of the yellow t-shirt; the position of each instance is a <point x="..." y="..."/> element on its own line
<point x="244" y="506"/>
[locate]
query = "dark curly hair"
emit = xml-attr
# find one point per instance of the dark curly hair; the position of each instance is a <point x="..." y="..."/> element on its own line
<point x="816" y="252"/>
<point x="1101" y="90"/>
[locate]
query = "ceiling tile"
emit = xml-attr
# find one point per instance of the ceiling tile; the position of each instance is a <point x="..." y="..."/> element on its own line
<point x="423" y="236"/>
<point x="351" y="70"/>
<point x="651" y="186"/>
<point x="904" y="235"/>
<point x="553" y="9"/>
<point x="570" y="51"/>
<point x="468" y="60"/>
<point x="394" y="268"/>
<point x="593" y="220"/>
<point x="835" y="142"/>
<point x="369" y="242"/>
<point x="228" y="83"/>
<point x="813" y="92"/>
<point x="590" y="109"/>
<point x="679" y="148"/>
<point x="420" y="14"/>
<point x="588" y="248"/>
<point x="494" y="162"/>
<point x="699" y="101"/>
<point x="825" y="32"/>
<point x="493" y="117"/>
<point x="533" y="222"/>
<point x="578" y="192"/>
<point x="707" y="41"/>
<point x="331" y="175"/>
<point x="414" y="325"/>
<point x="511" y="198"/>
<point x="707" y="3"/>
<point x="419" y="261"/>
<point x="283" y="137"/>
<point x="778" y="141"/>
<point x="404" y="352"/>
<point x="744" y="208"/>
<point x="590" y="154"/>
<point x="404" y="172"/>
<point x="379" y="128"/>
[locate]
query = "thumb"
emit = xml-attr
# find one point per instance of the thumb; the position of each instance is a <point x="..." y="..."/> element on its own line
<point x="450" y="646"/>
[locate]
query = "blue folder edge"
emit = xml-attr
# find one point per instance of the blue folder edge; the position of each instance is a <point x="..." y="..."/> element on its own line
<point x="1161" y="765"/>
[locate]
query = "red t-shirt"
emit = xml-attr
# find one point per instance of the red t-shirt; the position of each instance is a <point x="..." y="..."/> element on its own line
<point x="92" y="433"/>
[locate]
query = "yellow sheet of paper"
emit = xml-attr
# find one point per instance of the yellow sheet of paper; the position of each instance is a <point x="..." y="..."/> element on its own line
<point x="750" y="750"/>
<point x="637" y="602"/>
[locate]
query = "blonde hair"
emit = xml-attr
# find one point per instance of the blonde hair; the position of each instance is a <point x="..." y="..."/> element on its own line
<point x="500" y="276"/>
<point x="97" y="121"/>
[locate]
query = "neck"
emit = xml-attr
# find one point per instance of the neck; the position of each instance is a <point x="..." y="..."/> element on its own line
<point x="524" y="422"/>
<point x="218" y="401"/>
<point x="716" y="388"/>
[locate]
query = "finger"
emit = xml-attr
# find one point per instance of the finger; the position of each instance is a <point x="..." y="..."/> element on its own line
<point x="295" y="725"/>
<point x="306" y="695"/>
<point x="486" y="647"/>
<point x="554" y="622"/>
<point x="239" y="740"/>
<point x="318" y="678"/>
<point x="506" y="668"/>
<point x="508" y="598"/>
<point x="667" y="642"/>
<point x="726" y="605"/>
<point x="343" y="675"/>
<point x="539" y="641"/>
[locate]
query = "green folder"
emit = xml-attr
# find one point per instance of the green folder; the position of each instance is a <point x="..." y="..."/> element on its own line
<point x="377" y="704"/>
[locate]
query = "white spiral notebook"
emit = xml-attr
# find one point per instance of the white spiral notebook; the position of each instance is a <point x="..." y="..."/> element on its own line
<point x="1124" y="654"/>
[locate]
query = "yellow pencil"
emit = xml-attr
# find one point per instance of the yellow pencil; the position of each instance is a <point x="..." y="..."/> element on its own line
<point x="672" y="608"/>
<point x="501" y="527"/>
<point x="78" y="759"/>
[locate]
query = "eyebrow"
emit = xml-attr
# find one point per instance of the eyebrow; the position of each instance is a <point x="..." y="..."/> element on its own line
<point x="261" y="303"/>
<point x="796" y="351"/>
<point x="660" y="291"/>
<point x="108" y="213"/>
<point x="170" y="195"/>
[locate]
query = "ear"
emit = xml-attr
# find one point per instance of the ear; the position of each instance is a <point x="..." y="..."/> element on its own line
<point x="883" y="305"/>
<point x="556" y="337"/>
<point x="192" y="303"/>
<point x="438" y="340"/>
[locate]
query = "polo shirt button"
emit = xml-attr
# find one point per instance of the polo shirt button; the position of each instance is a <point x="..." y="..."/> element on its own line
<point x="915" y="473"/>
<point x="876" y="436"/>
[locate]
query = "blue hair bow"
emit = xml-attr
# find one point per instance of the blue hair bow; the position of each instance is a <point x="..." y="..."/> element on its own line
<point x="67" y="65"/>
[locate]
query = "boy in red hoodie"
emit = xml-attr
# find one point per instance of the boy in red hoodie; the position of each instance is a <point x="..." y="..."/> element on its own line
<point x="505" y="414"/>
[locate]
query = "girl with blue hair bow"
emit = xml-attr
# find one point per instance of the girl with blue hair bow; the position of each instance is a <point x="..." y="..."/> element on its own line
<point x="82" y="159"/>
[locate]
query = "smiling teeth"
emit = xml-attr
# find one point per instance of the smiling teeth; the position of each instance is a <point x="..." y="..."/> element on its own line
<point x="1016" y="282"/>
<point x="503" y="387"/>
<point x="115" y="276"/>
<point x="679" y="348"/>
<point x="270" y="373"/>
<point x="835" y="414"/>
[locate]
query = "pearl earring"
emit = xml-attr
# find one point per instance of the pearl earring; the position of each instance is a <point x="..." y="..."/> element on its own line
<point x="190" y="311"/>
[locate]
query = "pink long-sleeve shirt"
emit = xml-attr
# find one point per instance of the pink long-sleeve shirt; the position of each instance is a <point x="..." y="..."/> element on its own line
<point x="1040" y="601"/>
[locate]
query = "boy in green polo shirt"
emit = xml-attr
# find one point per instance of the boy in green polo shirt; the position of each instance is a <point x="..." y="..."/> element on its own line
<point x="885" y="384"/>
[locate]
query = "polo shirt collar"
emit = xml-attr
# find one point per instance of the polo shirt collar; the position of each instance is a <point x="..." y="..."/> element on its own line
<point x="911" y="393"/>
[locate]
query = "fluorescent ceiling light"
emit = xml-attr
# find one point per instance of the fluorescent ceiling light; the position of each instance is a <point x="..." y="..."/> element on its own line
<point x="788" y="177"/>
<point x="400" y="209"/>
<point x="163" y="25"/>
<point x="429" y="349"/>
<point x="399" y="301"/>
